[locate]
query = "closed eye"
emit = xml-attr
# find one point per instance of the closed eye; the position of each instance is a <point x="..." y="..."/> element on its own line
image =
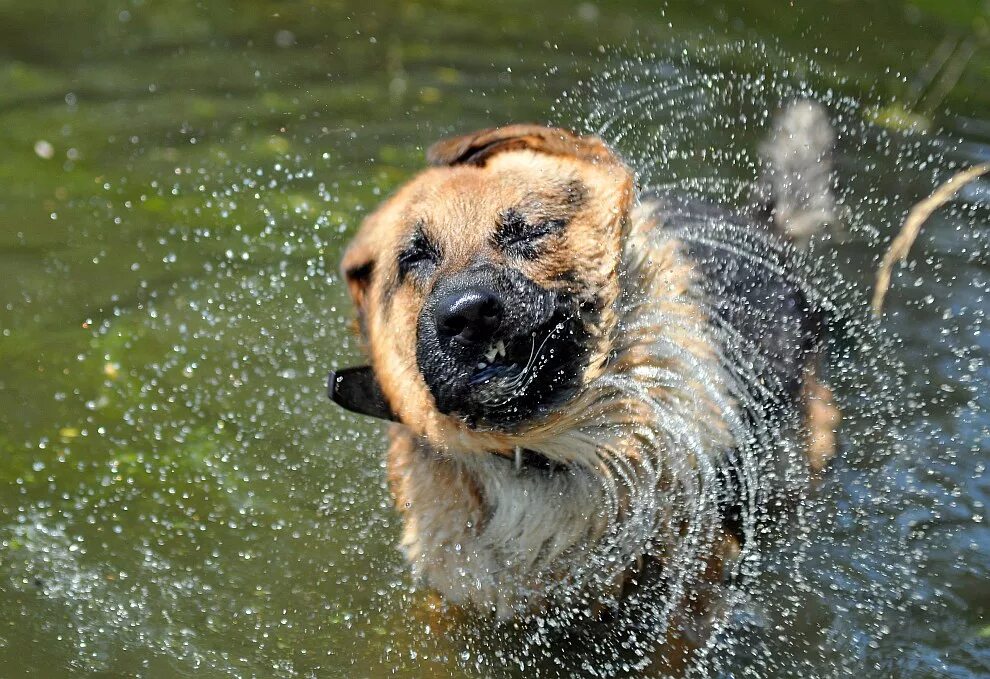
<point x="517" y="236"/>
<point x="420" y="255"/>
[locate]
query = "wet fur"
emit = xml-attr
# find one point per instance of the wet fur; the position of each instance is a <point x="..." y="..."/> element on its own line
<point x="478" y="529"/>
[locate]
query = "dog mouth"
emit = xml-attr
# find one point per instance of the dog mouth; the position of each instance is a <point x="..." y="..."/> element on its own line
<point x="512" y="369"/>
<point x="498" y="351"/>
<point x="519" y="378"/>
<point x="499" y="362"/>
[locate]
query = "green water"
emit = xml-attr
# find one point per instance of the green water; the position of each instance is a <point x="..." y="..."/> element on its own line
<point x="177" y="180"/>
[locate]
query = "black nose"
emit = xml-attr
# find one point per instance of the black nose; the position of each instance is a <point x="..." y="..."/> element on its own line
<point x="469" y="316"/>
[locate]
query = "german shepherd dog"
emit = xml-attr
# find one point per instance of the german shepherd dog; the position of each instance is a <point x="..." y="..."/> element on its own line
<point x="588" y="384"/>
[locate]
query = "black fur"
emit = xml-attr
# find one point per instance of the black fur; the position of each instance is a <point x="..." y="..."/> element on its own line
<point x="534" y="319"/>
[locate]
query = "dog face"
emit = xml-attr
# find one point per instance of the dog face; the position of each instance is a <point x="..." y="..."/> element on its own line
<point x="486" y="285"/>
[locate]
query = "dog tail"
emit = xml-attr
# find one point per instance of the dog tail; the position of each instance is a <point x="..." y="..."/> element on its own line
<point x="794" y="192"/>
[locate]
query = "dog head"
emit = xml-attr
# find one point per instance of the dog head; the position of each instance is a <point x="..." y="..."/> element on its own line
<point x="485" y="287"/>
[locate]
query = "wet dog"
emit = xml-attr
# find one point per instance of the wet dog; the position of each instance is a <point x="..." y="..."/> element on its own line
<point x="589" y="384"/>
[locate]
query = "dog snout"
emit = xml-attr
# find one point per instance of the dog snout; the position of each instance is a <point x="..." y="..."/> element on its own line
<point x="470" y="317"/>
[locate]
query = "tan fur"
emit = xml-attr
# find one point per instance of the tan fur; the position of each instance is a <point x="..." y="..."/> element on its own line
<point x="476" y="529"/>
<point x="822" y="418"/>
<point x="456" y="201"/>
<point x="482" y="532"/>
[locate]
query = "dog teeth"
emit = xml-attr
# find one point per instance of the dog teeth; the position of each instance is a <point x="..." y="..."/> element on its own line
<point x="495" y="351"/>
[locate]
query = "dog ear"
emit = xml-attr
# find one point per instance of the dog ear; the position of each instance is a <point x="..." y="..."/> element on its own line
<point x="357" y="390"/>
<point x="476" y="148"/>
<point x="357" y="266"/>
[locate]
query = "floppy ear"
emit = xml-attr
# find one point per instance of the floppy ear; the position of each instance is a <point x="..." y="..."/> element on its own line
<point x="476" y="148"/>
<point x="357" y="266"/>
<point x="357" y="390"/>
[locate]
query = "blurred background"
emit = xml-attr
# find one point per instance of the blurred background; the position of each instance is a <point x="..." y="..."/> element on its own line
<point x="176" y="182"/>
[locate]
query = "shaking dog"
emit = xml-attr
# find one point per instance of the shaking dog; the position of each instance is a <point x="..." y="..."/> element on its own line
<point x="592" y="386"/>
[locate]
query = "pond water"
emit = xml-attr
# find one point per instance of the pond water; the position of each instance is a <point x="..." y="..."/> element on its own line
<point x="177" y="498"/>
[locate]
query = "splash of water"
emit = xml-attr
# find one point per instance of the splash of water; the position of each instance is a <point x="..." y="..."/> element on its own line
<point x="668" y="120"/>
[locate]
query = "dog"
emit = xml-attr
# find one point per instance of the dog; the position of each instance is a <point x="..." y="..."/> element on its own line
<point x="588" y="384"/>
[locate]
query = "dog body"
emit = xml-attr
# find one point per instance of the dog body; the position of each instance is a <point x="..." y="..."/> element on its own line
<point x="583" y="382"/>
<point x="486" y="531"/>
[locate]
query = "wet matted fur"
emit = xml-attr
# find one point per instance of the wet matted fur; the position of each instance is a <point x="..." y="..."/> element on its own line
<point x="585" y="381"/>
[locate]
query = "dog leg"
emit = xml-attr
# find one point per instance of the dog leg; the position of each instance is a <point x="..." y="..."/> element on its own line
<point x="822" y="418"/>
